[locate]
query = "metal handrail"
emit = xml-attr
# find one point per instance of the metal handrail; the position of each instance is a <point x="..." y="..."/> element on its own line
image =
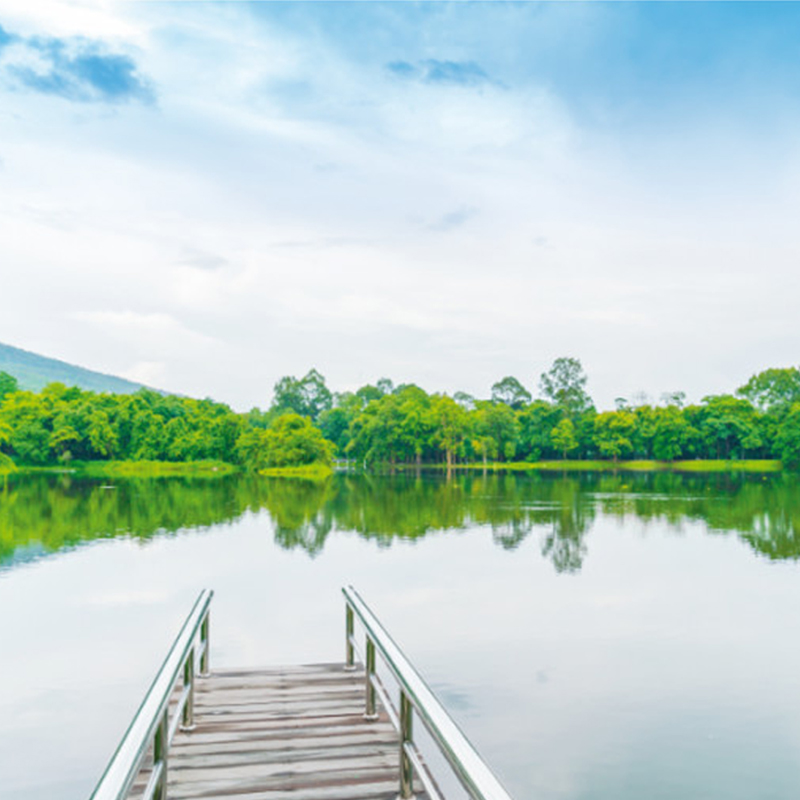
<point x="151" y="724"/>
<point x="471" y="770"/>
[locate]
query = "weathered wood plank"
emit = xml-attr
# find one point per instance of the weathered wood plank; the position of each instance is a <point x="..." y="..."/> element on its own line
<point x="262" y="734"/>
<point x="380" y="790"/>
<point x="339" y="737"/>
<point x="265" y="691"/>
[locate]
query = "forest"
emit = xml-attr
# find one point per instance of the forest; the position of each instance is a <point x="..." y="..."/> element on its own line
<point x="383" y="424"/>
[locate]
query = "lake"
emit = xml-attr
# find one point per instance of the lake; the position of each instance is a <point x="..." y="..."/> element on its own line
<point x="595" y="636"/>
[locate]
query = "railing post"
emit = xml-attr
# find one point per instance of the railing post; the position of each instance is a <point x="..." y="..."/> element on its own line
<point x="205" y="645"/>
<point x="160" y="748"/>
<point x="187" y="723"/>
<point x="406" y="736"/>
<point x="349" y="628"/>
<point x="369" y="675"/>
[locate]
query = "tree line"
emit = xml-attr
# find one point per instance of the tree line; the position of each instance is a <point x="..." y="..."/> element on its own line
<point x="60" y="425"/>
<point x="383" y="423"/>
<point x="386" y="424"/>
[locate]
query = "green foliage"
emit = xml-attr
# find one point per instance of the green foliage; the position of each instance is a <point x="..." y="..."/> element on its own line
<point x="728" y="426"/>
<point x="563" y="437"/>
<point x="450" y="425"/>
<point x="63" y="425"/>
<point x="465" y="400"/>
<point x="335" y="427"/>
<point x="291" y="440"/>
<point x="788" y="440"/>
<point x="670" y="431"/>
<point x="772" y="388"/>
<point x="496" y="430"/>
<point x="391" y="428"/>
<point x="30" y="442"/>
<point x="564" y="386"/>
<point x="536" y="423"/>
<point x="613" y="431"/>
<point x="511" y="392"/>
<point x="8" y="384"/>
<point x="307" y="397"/>
<point x="386" y="425"/>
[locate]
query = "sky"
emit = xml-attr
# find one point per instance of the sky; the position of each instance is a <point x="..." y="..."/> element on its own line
<point x="206" y="197"/>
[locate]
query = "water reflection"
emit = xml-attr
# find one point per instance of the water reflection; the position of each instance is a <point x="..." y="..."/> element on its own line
<point x="43" y="514"/>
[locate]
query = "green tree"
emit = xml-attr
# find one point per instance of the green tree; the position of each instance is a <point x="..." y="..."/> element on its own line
<point x="308" y="397"/>
<point x="669" y="434"/>
<point x="30" y="441"/>
<point x="8" y="384"/>
<point x="102" y="436"/>
<point x="564" y="385"/>
<point x="511" y="392"/>
<point x="335" y="424"/>
<point x="495" y="430"/>
<point x="287" y="396"/>
<point x="290" y="441"/>
<point x="563" y="437"/>
<point x="466" y="401"/>
<point x="536" y="421"/>
<point x="384" y="386"/>
<point x="368" y="393"/>
<point x="63" y="440"/>
<point x="392" y="428"/>
<point x="29" y="418"/>
<point x="772" y="388"/>
<point x="613" y="433"/>
<point x="450" y="425"/>
<point x="788" y="439"/>
<point x="416" y="425"/>
<point x="5" y="433"/>
<point x="729" y="427"/>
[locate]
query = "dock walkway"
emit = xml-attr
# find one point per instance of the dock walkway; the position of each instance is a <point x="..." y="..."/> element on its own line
<point x="260" y="734"/>
<point x="313" y="732"/>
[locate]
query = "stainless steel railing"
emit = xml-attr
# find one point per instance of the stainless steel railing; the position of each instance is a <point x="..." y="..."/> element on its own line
<point x="415" y="698"/>
<point x="152" y="725"/>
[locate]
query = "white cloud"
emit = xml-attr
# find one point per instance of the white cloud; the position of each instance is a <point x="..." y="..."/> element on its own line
<point x="160" y="329"/>
<point x="87" y="18"/>
<point x="287" y="204"/>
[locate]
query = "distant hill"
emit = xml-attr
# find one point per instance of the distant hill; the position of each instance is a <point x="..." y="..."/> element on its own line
<point x="34" y="372"/>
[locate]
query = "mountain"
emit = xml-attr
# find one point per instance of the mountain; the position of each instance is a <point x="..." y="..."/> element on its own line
<point x="33" y="372"/>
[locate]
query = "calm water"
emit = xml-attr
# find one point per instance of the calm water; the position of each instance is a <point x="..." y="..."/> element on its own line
<point x="596" y="637"/>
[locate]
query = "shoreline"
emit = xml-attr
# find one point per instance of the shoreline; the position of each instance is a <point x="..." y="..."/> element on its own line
<point x="694" y="465"/>
<point x="219" y="469"/>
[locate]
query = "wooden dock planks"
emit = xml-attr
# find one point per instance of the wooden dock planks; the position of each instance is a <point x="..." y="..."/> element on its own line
<point x="295" y="732"/>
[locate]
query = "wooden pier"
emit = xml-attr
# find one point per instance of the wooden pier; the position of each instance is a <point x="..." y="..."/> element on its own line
<point x="312" y="732"/>
<point x="301" y="731"/>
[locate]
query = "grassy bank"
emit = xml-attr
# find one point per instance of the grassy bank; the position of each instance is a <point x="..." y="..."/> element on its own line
<point x="140" y="469"/>
<point x="163" y="469"/>
<point x="698" y="465"/>
<point x="7" y="466"/>
<point x="314" y="472"/>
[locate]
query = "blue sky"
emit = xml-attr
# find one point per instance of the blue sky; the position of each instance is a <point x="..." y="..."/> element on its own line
<point x="209" y="196"/>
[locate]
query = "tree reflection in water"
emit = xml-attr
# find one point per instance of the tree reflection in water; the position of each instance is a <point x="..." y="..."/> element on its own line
<point x="47" y="513"/>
